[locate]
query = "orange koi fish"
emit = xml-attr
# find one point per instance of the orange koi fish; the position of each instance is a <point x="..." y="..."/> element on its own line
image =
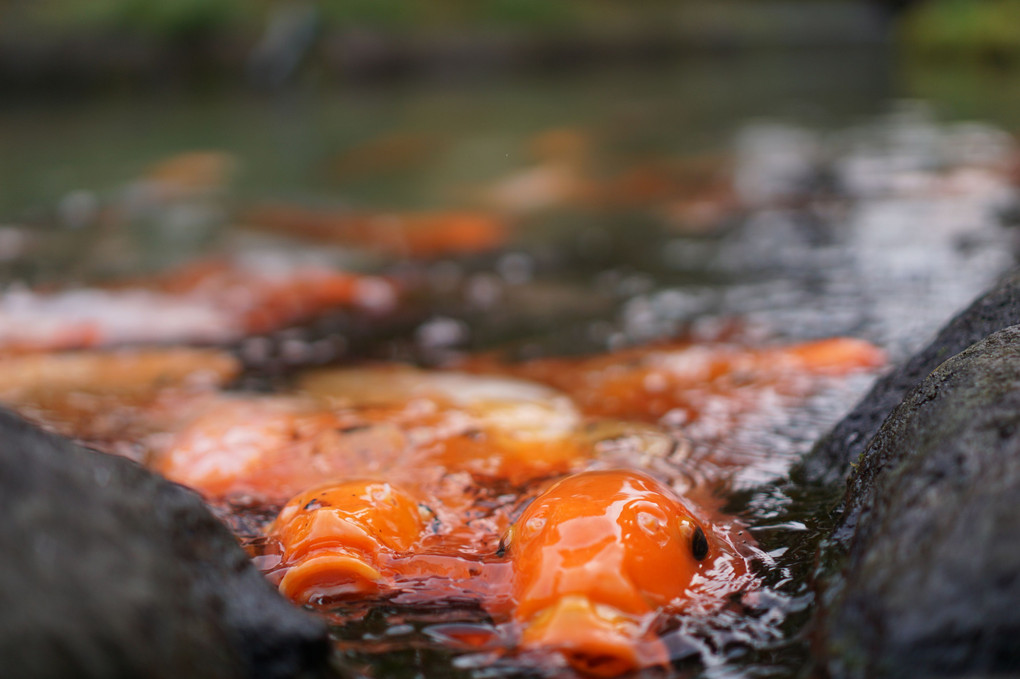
<point x="596" y="558"/>
<point x="274" y="447"/>
<point x="404" y="234"/>
<point x="340" y="540"/>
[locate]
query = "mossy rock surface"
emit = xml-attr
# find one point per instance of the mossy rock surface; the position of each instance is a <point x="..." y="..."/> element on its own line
<point x="922" y="575"/>
<point x="833" y="458"/>
<point x="109" y="571"/>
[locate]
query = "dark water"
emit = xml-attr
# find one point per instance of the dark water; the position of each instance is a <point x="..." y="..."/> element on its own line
<point x="870" y="201"/>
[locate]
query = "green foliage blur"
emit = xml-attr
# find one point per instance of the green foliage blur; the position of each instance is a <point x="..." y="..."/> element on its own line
<point x="175" y="18"/>
<point x="967" y="29"/>
<point x="975" y="30"/>
<point x="156" y="19"/>
<point x="172" y="18"/>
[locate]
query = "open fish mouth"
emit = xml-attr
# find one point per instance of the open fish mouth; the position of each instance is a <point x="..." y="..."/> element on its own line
<point x="596" y="640"/>
<point x="331" y="576"/>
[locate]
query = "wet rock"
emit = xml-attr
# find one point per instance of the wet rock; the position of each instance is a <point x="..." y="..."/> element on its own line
<point x="922" y="575"/>
<point x="830" y="460"/>
<point x="110" y="571"/>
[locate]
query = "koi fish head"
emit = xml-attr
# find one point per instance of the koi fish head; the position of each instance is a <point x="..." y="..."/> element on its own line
<point x="336" y="539"/>
<point x="595" y="558"/>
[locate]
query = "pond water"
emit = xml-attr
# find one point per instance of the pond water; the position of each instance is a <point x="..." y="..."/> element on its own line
<point x="806" y="195"/>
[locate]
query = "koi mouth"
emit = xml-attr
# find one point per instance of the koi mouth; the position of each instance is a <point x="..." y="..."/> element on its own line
<point x="330" y="576"/>
<point x="596" y="640"/>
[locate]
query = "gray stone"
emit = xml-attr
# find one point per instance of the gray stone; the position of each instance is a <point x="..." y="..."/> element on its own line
<point x="110" y="571"/>
<point x="830" y="460"/>
<point x="922" y="576"/>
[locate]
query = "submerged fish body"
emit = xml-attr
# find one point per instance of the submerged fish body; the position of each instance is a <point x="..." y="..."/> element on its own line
<point x="215" y="301"/>
<point x="596" y="558"/>
<point x="404" y="423"/>
<point x="399" y="234"/>
<point x="273" y="447"/>
<point x="646" y="383"/>
<point x="488" y="425"/>
<point x="543" y="420"/>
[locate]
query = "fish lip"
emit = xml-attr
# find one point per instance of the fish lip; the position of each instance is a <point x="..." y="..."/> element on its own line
<point x="595" y="639"/>
<point x="330" y="576"/>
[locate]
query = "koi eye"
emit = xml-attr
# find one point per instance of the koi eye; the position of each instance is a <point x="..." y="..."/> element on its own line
<point x="429" y="516"/>
<point x="504" y="542"/>
<point x="699" y="544"/>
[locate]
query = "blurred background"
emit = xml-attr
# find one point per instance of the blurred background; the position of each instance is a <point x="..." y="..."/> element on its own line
<point x="641" y="164"/>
